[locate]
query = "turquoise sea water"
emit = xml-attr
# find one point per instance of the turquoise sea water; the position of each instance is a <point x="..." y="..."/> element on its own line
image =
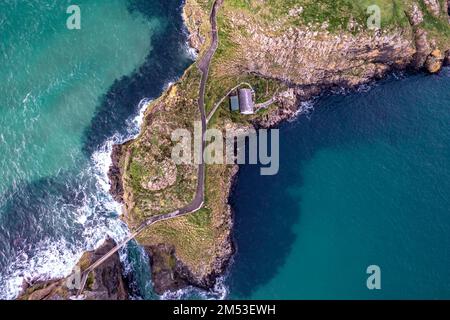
<point x="364" y="180"/>
<point x="65" y="97"/>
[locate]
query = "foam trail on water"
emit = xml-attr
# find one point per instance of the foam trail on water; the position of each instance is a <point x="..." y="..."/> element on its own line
<point x="191" y="52"/>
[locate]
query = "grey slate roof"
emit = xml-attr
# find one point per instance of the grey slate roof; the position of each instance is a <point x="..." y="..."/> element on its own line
<point x="246" y="103"/>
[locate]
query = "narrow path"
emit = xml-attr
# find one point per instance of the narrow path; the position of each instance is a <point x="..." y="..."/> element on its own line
<point x="199" y="198"/>
<point x="265" y="105"/>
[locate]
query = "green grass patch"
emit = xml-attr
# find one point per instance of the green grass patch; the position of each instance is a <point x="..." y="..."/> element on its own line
<point x="201" y="218"/>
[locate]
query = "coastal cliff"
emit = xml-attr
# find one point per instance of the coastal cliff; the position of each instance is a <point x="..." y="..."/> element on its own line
<point x="289" y="52"/>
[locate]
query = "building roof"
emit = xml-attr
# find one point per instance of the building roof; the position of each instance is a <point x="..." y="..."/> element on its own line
<point x="246" y="101"/>
<point x="234" y="103"/>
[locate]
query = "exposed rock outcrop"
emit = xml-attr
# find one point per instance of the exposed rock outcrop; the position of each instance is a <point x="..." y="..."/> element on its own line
<point x="415" y="15"/>
<point x="115" y="174"/>
<point x="433" y="7"/>
<point x="306" y="56"/>
<point x="435" y="61"/>
<point x="168" y="273"/>
<point x="107" y="281"/>
<point x="194" y="17"/>
<point x="310" y="55"/>
<point x="423" y="48"/>
<point x="426" y="55"/>
<point x="290" y="104"/>
<point x="165" y="176"/>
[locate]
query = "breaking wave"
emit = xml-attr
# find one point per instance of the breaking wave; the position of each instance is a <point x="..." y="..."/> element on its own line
<point x="305" y="108"/>
<point x="92" y="220"/>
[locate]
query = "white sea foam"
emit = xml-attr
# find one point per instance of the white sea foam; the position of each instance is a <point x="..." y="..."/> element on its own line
<point x="168" y="85"/>
<point x="219" y="292"/>
<point x="305" y="108"/>
<point x="191" y="52"/>
<point x="51" y="260"/>
<point x="134" y="126"/>
<point x="54" y="259"/>
<point x="25" y="100"/>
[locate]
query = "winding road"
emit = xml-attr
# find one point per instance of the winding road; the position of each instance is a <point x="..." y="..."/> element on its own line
<point x="203" y="64"/>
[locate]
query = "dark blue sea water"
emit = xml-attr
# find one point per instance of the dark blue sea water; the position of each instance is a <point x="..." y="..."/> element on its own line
<point x="364" y="180"/>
